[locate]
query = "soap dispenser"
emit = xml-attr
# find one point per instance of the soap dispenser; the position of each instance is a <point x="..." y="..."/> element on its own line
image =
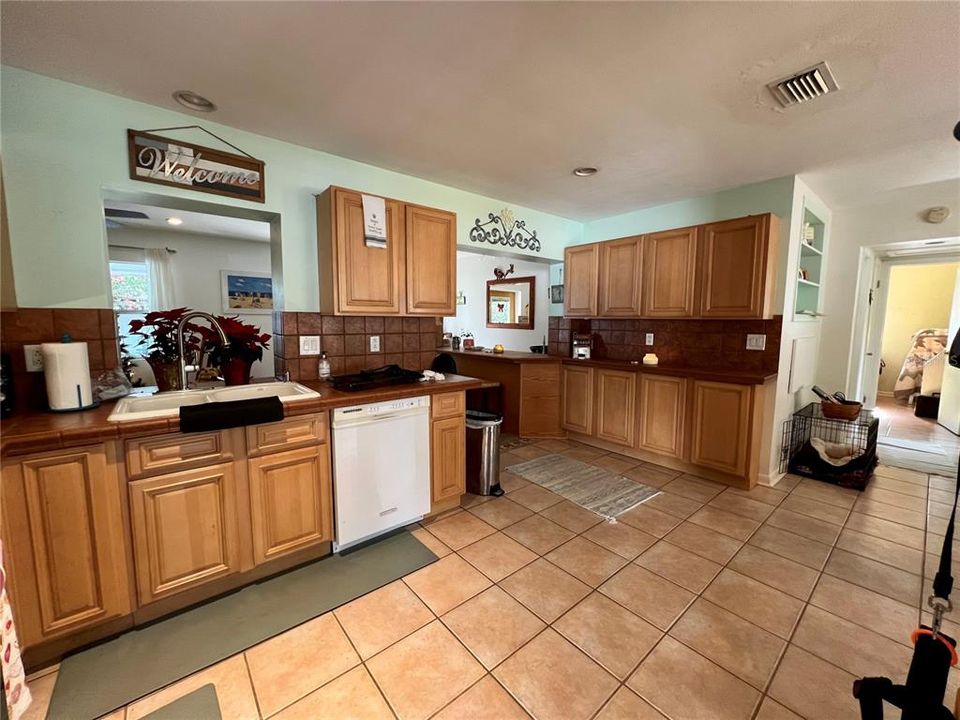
<point x="324" y="370"/>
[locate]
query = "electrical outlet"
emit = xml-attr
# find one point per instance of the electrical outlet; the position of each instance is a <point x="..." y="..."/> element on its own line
<point x="649" y="339"/>
<point x="756" y="342"/>
<point x="33" y="358"/>
<point x="309" y="345"/>
<point x="374" y="343"/>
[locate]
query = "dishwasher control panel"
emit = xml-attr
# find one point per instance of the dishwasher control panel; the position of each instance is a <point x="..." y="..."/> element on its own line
<point x="381" y="408"/>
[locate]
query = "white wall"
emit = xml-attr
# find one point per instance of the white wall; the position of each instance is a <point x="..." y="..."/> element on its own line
<point x="196" y="270"/>
<point x="473" y="271"/>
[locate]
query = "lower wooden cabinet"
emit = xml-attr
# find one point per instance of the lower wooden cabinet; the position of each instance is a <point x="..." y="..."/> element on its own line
<point x="615" y="407"/>
<point x="448" y="478"/>
<point x="291" y="506"/>
<point x="64" y="542"/>
<point x="577" y="399"/>
<point x="185" y="529"/>
<point x="663" y="412"/>
<point x="721" y="426"/>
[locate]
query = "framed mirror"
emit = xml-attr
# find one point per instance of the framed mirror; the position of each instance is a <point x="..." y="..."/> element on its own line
<point x="511" y="303"/>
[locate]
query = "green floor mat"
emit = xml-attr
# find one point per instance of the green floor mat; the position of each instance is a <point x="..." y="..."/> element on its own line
<point x="201" y="704"/>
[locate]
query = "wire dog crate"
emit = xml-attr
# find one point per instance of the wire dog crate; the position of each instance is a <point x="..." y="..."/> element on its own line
<point x="850" y="447"/>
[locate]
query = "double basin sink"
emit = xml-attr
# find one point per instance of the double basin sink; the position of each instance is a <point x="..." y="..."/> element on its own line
<point x="168" y="404"/>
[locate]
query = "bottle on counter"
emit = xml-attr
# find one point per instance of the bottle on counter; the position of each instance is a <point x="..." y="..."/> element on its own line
<point x="324" y="370"/>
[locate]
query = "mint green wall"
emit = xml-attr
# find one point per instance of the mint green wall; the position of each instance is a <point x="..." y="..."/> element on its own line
<point x="64" y="148"/>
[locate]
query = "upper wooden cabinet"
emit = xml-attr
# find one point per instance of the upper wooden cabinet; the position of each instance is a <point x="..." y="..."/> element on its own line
<point x="577" y="399"/>
<point x="669" y="273"/>
<point x="620" y="277"/>
<point x="615" y="411"/>
<point x="581" y="268"/>
<point x="737" y="267"/>
<point x="414" y="275"/>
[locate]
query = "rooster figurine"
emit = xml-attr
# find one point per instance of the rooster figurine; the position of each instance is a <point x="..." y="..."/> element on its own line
<point x="501" y="274"/>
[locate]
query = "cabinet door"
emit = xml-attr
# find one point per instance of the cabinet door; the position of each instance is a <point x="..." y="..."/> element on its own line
<point x="431" y="261"/>
<point x="368" y="279"/>
<point x="290" y="501"/>
<point x="616" y="406"/>
<point x="185" y="529"/>
<point x="581" y="274"/>
<point x="620" y="276"/>
<point x="577" y="399"/>
<point x="65" y="542"/>
<point x="662" y="414"/>
<point x="721" y="426"/>
<point x="448" y="458"/>
<point x="669" y="273"/>
<point x="736" y="268"/>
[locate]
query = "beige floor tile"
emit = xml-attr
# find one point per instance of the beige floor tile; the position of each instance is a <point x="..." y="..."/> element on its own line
<point x="885" y="551"/>
<point x="624" y="540"/>
<point x="887" y="617"/>
<point x="545" y="589"/>
<point x="653" y="475"/>
<point x="616" y="463"/>
<point x="694" y="488"/>
<point x="529" y="452"/>
<point x="890" y="497"/>
<point x="813" y="687"/>
<point x="424" y="671"/>
<point x="231" y="680"/>
<point x="539" y="534"/>
<point x="901" y="474"/>
<point x="487" y="700"/>
<point x="584" y="453"/>
<point x="650" y="596"/>
<point x="431" y="542"/>
<point x="684" y="684"/>
<point x="380" y="618"/>
<point x="704" y="542"/>
<point x="942" y="496"/>
<point x="508" y="458"/>
<point x="826" y="493"/>
<point x="680" y="566"/>
<point x="678" y="505"/>
<point x="460" y="529"/>
<point x="492" y="625"/>
<point x="501" y="512"/>
<point x="627" y="705"/>
<point x="610" y="634"/>
<point x="739" y="647"/>
<point x="511" y="482"/>
<point x="885" y="579"/>
<point x="761" y="493"/>
<point x="571" y="516"/>
<point x="770" y="709"/>
<point x="318" y="651"/>
<point x="497" y="556"/>
<point x="446" y="583"/>
<point x="794" y="547"/>
<point x="352" y="695"/>
<point x="470" y="500"/>
<point x="904" y="488"/>
<point x="815" y="509"/>
<point x="939" y="510"/>
<point x="887" y="529"/>
<point x="553" y="680"/>
<point x="586" y="561"/>
<point x="777" y="572"/>
<point x="771" y="609"/>
<point x="804" y="525"/>
<point x="736" y="526"/>
<point x="535" y="498"/>
<point x="893" y="513"/>
<point x="653" y="522"/>
<point x="555" y="446"/>
<point x="740" y="505"/>
<point x="789" y="481"/>
<point x="41" y="690"/>
<point x="857" y="650"/>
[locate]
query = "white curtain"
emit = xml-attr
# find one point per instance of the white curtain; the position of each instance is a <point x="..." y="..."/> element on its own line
<point x="161" y="279"/>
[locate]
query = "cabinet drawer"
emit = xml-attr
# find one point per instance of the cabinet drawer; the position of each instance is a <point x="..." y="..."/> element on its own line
<point x="448" y="405"/>
<point x="150" y="456"/>
<point x="286" y="434"/>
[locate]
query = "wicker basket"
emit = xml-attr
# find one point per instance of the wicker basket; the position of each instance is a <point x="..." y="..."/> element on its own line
<point x="847" y="410"/>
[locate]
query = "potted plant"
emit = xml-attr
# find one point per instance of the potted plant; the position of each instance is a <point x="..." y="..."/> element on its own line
<point x="158" y="331"/>
<point x="246" y="347"/>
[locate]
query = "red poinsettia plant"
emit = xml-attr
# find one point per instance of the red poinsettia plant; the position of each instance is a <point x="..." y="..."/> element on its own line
<point x="158" y="331"/>
<point x="246" y="341"/>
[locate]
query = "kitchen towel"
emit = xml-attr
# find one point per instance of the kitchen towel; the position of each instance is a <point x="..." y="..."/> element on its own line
<point x="374" y="221"/>
<point x="235" y="413"/>
<point x="15" y="691"/>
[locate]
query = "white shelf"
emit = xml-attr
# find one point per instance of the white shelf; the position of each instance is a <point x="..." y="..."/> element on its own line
<point x="810" y="249"/>
<point x="811" y="283"/>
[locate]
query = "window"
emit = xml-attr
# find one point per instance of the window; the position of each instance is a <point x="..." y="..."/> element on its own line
<point x="130" y="286"/>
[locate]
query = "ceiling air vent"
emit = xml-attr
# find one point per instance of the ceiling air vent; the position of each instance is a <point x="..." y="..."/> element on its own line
<point x="807" y="85"/>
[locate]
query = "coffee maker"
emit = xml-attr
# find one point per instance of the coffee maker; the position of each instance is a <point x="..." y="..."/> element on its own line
<point x="580" y="345"/>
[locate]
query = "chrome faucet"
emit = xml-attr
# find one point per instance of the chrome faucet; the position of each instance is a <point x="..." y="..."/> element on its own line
<point x="180" y="352"/>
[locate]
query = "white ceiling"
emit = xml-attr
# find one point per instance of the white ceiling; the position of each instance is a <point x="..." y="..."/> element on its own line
<point x="194" y="223"/>
<point x="504" y="99"/>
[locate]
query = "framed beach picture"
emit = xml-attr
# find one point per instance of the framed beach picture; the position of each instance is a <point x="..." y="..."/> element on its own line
<point x="246" y="292"/>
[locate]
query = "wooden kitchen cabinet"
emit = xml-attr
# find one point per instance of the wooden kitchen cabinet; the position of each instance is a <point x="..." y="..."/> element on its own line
<point x="615" y="406"/>
<point x="721" y="426"/>
<point x="737" y="267"/>
<point x="291" y="503"/>
<point x="581" y="277"/>
<point x="669" y="273"/>
<point x="186" y="529"/>
<point x="620" y="277"/>
<point x="64" y="541"/>
<point x="447" y="459"/>
<point x="431" y="261"/>
<point x="577" y="399"/>
<point x="663" y="411"/>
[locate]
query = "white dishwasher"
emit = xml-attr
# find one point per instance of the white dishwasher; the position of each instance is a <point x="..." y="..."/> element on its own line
<point x="381" y="467"/>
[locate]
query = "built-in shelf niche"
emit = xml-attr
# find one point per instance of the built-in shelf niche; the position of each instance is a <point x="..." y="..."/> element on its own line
<point x="809" y="274"/>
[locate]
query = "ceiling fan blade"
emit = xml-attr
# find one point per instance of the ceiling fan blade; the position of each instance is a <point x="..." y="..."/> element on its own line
<point x="126" y="214"/>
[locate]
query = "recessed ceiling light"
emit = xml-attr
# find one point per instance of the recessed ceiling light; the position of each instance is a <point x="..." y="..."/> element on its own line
<point x="192" y="101"/>
<point x="174" y="221"/>
<point x="584" y="171"/>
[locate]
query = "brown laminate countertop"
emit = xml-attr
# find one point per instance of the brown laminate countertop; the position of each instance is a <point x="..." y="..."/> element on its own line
<point x="738" y="377"/>
<point x="36" y="431"/>
<point x="510" y="356"/>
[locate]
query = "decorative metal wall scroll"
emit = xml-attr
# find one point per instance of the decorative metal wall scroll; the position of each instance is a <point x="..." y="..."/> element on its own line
<point x="503" y="229"/>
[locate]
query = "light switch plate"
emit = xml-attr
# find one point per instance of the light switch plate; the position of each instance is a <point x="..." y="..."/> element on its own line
<point x="309" y="344"/>
<point x="649" y="339"/>
<point x="33" y="358"/>
<point x="756" y="342"/>
<point x="374" y="343"/>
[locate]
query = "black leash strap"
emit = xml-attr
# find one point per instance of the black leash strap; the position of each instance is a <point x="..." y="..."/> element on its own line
<point x="939" y="601"/>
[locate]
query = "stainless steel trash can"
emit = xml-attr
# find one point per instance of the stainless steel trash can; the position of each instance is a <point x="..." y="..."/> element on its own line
<point x="483" y="453"/>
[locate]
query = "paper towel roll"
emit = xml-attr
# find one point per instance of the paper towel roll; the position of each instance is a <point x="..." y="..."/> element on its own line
<point x="67" y="371"/>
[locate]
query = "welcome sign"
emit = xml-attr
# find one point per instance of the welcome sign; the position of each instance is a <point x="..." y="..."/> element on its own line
<point x="180" y="164"/>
